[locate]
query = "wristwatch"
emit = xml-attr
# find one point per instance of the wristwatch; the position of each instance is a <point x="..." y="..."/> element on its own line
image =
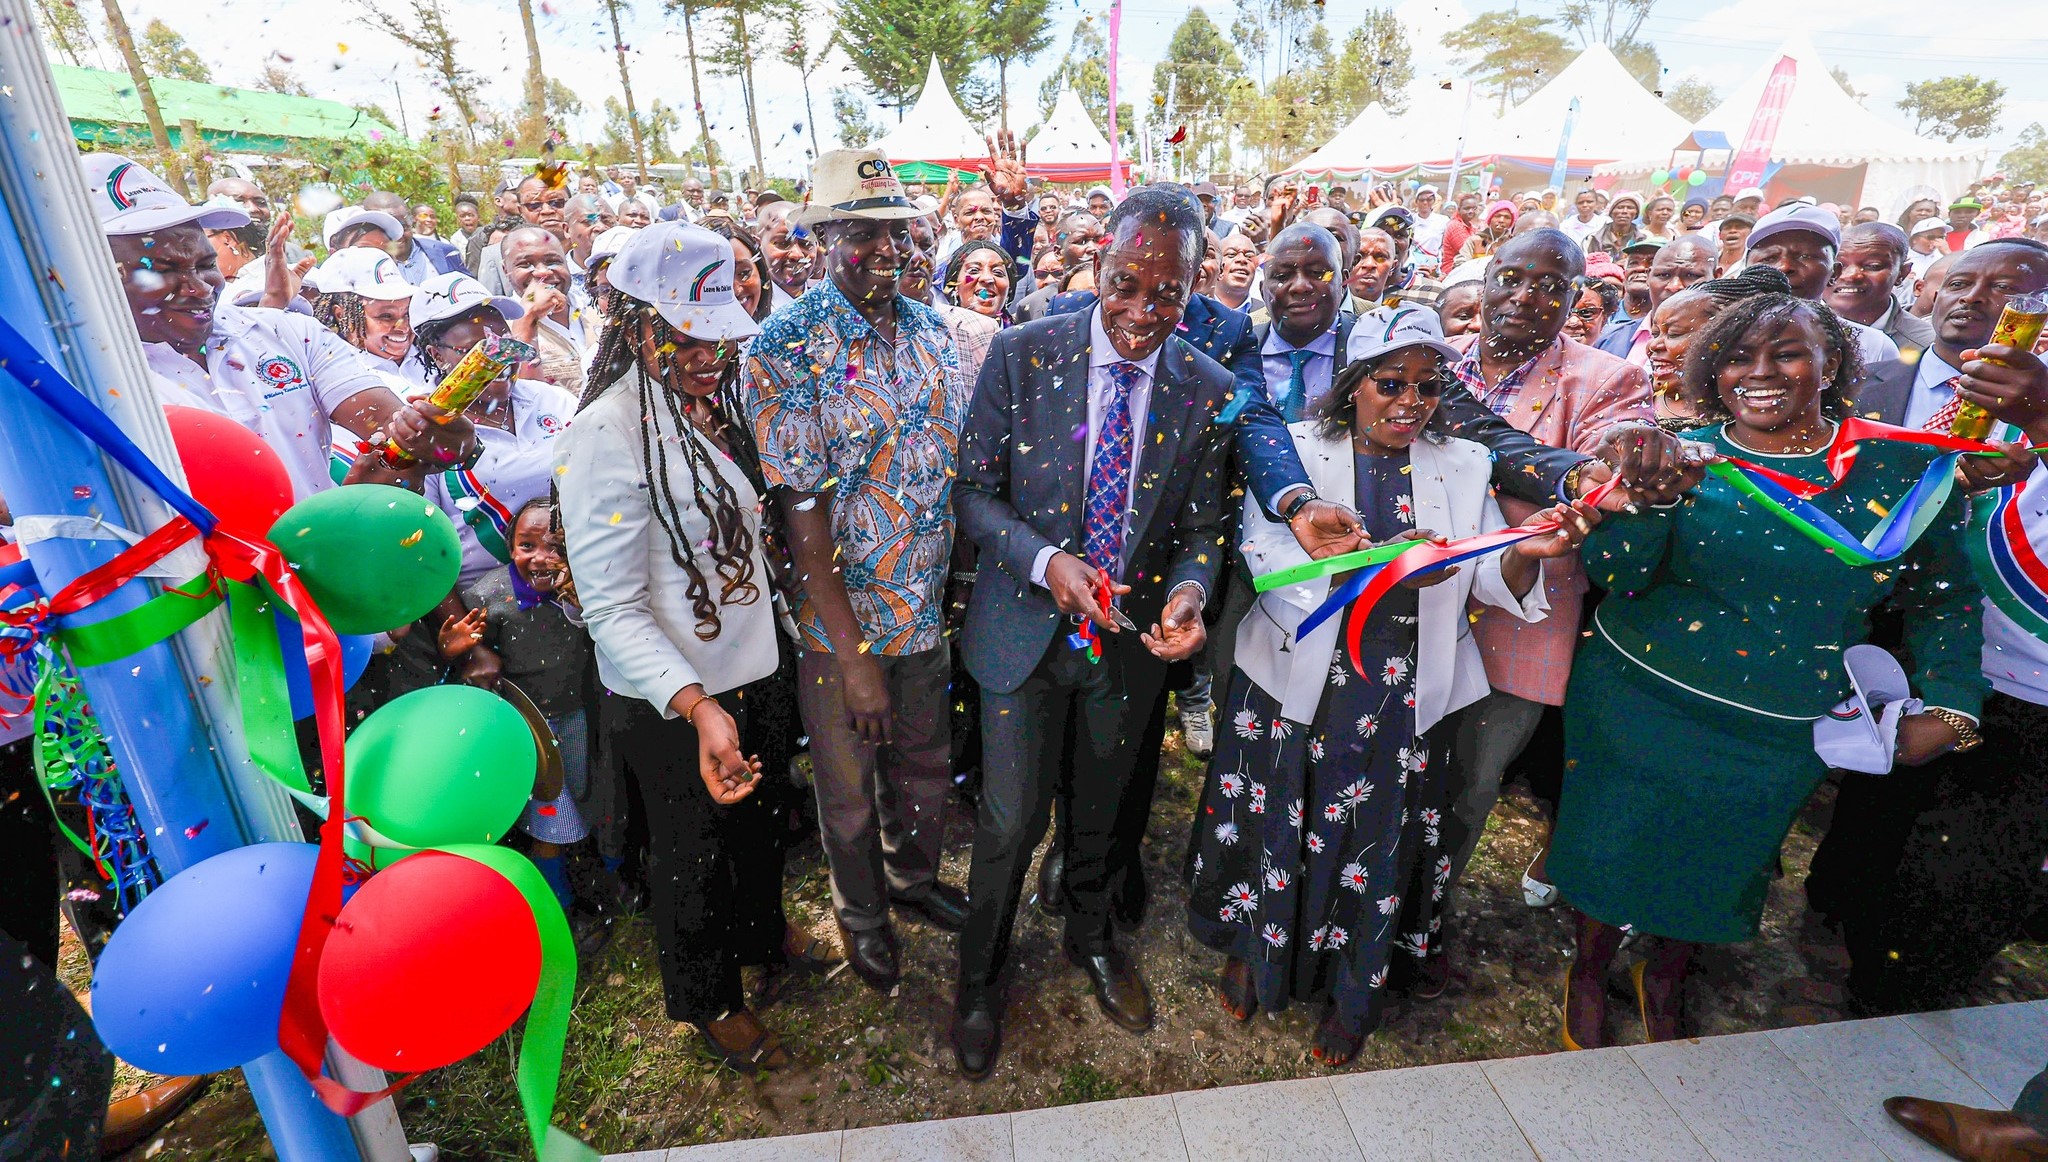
<point x="1967" y="737"/>
<point x="1301" y="500"/>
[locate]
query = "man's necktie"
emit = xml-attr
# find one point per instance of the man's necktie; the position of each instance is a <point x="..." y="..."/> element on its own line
<point x="1297" y="385"/>
<point x="1109" y="476"/>
<point x="1945" y="415"/>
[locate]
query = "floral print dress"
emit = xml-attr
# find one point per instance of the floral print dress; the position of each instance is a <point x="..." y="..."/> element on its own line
<point x="1319" y="846"/>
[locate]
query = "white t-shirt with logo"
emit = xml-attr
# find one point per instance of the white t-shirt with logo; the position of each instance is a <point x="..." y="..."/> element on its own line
<point x="278" y="373"/>
<point x="515" y="467"/>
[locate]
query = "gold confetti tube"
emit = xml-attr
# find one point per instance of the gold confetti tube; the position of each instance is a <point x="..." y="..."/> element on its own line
<point x="2019" y="327"/>
<point x="478" y="368"/>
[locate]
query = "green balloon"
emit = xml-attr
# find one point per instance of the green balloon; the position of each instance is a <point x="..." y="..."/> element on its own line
<point x="1659" y="177"/>
<point x="1696" y="178"/>
<point x="374" y="557"/>
<point x="447" y="764"/>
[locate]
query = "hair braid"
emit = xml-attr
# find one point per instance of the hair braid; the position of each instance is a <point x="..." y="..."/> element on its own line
<point x="342" y="313"/>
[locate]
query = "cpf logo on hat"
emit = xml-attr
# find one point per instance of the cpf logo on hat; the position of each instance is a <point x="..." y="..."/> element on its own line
<point x="685" y="273"/>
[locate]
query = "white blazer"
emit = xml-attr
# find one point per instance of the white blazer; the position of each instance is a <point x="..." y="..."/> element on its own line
<point x="635" y="597"/>
<point x="1452" y="491"/>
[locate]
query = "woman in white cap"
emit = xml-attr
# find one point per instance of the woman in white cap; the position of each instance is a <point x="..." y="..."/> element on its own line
<point x="1320" y="852"/>
<point x="661" y="502"/>
<point x="363" y="297"/>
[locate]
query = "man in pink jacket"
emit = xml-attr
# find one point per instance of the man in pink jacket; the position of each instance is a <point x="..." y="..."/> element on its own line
<point x="1565" y="394"/>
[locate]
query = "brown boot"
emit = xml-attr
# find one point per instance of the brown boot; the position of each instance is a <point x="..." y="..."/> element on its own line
<point x="132" y="1120"/>
<point x="1972" y="1135"/>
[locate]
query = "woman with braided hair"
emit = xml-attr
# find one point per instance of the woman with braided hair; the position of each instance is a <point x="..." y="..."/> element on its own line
<point x="661" y="507"/>
<point x="364" y="297"/>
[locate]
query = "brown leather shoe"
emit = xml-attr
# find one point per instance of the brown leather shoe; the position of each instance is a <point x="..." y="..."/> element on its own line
<point x="872" y="954"/>
<point x="132" y="1120"/>
<point x="1972" y="1135"/>
<point x="1118" y="988"/>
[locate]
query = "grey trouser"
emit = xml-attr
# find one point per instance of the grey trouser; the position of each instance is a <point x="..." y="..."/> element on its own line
<point x="881" y="809"/>
<point x="1491" y="732"/>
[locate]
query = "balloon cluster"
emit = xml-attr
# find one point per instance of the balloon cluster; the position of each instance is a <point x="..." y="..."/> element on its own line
<point x="432" y="957"/>
<point x="1673" y="181"/>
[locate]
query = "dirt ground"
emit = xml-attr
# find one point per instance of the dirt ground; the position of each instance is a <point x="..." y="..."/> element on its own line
<point x="634" y="1080"/>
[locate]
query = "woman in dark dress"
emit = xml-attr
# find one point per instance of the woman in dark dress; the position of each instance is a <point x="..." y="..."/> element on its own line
<point x="1318" y="845"/>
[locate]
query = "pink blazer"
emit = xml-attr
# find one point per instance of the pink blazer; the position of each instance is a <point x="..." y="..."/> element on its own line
<point x="1573" y="394"/>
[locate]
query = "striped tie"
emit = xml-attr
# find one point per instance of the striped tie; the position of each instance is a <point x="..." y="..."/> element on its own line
<point x="1109" y="476"/>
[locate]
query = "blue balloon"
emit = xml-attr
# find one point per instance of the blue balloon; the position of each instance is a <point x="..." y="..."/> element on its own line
<point x="193" y="980"/>
<point x="355" y="658"/>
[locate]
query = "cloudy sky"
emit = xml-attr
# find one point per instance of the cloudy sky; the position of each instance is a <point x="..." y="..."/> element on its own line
<point x="338" y="56"/>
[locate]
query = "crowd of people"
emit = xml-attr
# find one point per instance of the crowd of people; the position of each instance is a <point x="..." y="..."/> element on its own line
<point x="960" y="492"/>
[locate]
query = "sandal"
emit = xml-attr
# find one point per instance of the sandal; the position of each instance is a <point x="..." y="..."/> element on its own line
<point x="1240" y="1000"/>
<point x="1335" y="1045"/>
<point x="809" y="951"/>
<point x="1535" y="892"/>
<point x="761" y="1051"/>
<point x="1565" y="1015"/>
<point x="1637" y="972"/>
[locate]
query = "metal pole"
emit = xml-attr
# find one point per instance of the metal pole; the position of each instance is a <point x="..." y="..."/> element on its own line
<point x="169" y="711"/>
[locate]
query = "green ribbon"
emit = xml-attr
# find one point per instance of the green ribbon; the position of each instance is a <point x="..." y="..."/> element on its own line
<point x="1331" y="566"/>
<point x="538" y="1074"/>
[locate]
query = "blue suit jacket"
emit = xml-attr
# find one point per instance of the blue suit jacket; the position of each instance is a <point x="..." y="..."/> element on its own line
<point x="444" y="257"/>
<point x="1264" y="449"/>
<point x="1617" y="337"/>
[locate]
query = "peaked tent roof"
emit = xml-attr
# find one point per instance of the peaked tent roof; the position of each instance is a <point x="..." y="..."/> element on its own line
<point x="104" y="107"/>
<point x="1617" y="117"/>
<point x="1349" y="156"/>
<point x="1068" y="147"/>
<point x="936" y="130"/>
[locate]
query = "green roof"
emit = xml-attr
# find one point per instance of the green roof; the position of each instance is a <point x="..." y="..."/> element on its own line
<point x="105" y="110"/>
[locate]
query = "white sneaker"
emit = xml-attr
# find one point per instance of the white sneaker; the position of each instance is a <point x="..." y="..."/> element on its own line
<point x="424" y="1152"/>
<point x="1535" y="892"/>
<point x="1198" y="732"/>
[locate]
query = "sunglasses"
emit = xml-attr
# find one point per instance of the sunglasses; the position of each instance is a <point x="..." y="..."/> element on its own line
<point x="556" y="203"/>
<point x="1393" y="388"/>
<point x="1587" y="312"/>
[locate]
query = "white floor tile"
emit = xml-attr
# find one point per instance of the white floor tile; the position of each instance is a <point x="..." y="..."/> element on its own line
<point x="793" y="1148"/>
<point x="1746" y="1102"/>
<point x="1440" y="1113"/>
<point x="1858" y="1064"/>
<point x="2001" y="1047"/>
<point x="1281" y="1119"/>
<point x="1591" y="1106"/>
<point x="1138" y="1129"/>
<point x="982" y="1139"/>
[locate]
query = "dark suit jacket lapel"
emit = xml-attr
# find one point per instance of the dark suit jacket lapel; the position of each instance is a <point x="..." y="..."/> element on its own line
<point x="1165" y="422"/>
<point x="1886" y="390"/>
<point x="1065" y="408"/>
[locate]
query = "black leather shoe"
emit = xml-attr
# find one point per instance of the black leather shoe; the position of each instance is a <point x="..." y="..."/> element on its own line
<point x="944" y="906"/>
<point x="1118" y="988"/>
<point x="1051" y="893"/>
<point x="872" y="954"/>
<point x="977" y="1038"/>
<point x="1127" y="902"/>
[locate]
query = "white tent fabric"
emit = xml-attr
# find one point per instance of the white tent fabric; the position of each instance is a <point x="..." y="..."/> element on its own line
<point x="1824" y="127"/>
<point x="1617" y="117"/>
<point x="1068" y="136"/>
<point x="1350" y="155"/>
<point x="936" y="130"/>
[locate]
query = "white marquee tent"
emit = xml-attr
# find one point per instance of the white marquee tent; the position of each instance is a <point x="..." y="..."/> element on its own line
<point x="1617" y="118"/>
<point x="1068" y="147"/>
<point x="936" y="133"/>
<point x="1827" y="145"/>
<point x="1353" y="153"/>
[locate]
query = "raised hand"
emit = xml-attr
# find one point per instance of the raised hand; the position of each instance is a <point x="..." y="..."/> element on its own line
<point x="1004" y="172"/>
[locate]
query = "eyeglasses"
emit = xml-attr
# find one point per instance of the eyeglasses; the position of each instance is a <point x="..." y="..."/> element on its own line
<point x="1588" y="313"/>
<point x="1429" y="388"/>
<point x="547" y="203"/>
<point x="1511" y="280"/>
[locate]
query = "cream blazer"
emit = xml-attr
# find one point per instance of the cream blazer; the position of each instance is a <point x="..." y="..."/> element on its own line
<point x="1452" y="493"/>
<point x="635" y="597"/>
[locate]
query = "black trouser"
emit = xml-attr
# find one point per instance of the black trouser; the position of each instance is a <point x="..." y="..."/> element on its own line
<point x="1931" y="870"/>
<point x="1068" y="733"/>
<point x="55" y="1075"/>
<point x="715" y="872"/>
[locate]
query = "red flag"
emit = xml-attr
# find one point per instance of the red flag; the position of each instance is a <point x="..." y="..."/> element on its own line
<point x="1748" y="167"/>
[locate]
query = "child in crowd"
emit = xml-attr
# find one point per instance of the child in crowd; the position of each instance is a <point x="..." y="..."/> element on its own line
<point x="528" y="621"/>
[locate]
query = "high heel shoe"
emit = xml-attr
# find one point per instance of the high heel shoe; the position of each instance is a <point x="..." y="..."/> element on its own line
<point x="1564" y="1014"/>
<point x="1636" y="973"/>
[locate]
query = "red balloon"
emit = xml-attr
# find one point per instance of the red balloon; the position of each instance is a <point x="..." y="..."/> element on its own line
<point x="230" y="470"/>
<point x="430" y="961"/>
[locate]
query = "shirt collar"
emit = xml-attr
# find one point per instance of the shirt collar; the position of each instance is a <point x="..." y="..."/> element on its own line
<point x="1102" y="353"/>
<point x="1934" y="370"/>
<point x="908" y="319"/>
<point x="1323" y="344"/>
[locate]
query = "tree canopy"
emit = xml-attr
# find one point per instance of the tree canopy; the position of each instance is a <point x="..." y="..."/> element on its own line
<point x="1954" y="108"/>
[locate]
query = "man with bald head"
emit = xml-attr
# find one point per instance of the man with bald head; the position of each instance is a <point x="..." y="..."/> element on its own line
<point x="1566" y="395"/>
<point x="537" y="269"/>
<point x="1683" y="262"/>
<point x="583" y="220"/>
<point x="419" y="258"/>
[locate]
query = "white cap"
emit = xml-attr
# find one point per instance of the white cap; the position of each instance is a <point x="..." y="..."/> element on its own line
<point x="447" y="296"/>
<point x="346" y="216"/>
<point x="607" y="245"/>
<point x="1426" y="189"/>
<point x="364" y="271"/>
<point x="1862" y="732"/>
<point x="685" y="273"/>
<point x="1797" y="218"/>
<point x="1385" y="330"/>
<point x="1929" y="226"/>
<point x="131" y="200"/>
<point x="1750" y="192"/>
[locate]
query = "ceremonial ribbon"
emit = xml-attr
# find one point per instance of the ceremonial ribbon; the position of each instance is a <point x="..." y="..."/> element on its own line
<point x="237" y="567"/>
<point x="1088" y="637"/>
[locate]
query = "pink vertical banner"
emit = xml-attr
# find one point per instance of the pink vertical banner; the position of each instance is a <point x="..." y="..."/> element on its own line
<point x="1116" y="165"/>
<point x="1755" y="155"/>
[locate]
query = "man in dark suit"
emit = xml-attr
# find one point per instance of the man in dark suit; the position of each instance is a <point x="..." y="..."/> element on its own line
<point x="1089" y="463"/>
<point x="1873" y="263"/>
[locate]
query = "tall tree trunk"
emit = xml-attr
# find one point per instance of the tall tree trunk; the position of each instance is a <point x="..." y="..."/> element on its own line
<point x="174" y="170"/>
<point x="1003" y="89"/>
<point x="697" y="92"/>
<point x="536" y="81"/>
<point x="626" y="84"/>
<point x="810" y="116"/>
<point x="739" y="22"/>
